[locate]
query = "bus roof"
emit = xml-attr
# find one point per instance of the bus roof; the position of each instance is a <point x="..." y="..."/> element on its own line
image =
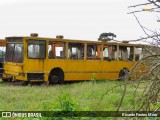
<point x="79" y="41"/>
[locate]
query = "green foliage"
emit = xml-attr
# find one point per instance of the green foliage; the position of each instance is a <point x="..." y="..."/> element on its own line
<point x="63" y="103"/>
<point x="93" y="78"/>
<point x="105" y="36"/>
<point x="66" y="103"/>
<point x="82" y="96"/>
<point x="158" y="106"/>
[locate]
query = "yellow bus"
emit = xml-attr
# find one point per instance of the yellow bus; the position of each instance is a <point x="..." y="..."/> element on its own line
<point x="56" y="60"/>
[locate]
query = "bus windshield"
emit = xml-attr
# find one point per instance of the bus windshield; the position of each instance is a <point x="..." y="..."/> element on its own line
<point x="14" y="52"/>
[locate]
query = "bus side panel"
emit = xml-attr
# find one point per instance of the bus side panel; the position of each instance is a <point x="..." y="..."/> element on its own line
<point x="93" y="68"/>
<point x="54" y="63"/>
<point x="83" y="70"/>
<point x="34" y="65"/>
<point x="111" y="69"/>
<point x="76" y="70"/>
<point x="87" y="69"/>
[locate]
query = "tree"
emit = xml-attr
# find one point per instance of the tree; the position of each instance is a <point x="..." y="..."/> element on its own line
<point x="106" y="36"/>
<point x="148" y="68"/>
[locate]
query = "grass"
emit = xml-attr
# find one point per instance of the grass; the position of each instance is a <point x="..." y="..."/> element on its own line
<point x="82" y="96"/>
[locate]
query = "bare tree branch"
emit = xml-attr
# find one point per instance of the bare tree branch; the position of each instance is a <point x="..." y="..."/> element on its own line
<point x="154" y="3"/>
<point x="141" y="25"/>
<point x="140" y="5"/>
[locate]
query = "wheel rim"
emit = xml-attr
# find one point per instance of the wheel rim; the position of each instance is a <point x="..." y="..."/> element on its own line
<point x="54" y="79"/>
<point x="123" y="74"/>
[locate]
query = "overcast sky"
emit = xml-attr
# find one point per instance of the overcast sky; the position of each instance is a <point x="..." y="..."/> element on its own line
<point x="75" y="19"/>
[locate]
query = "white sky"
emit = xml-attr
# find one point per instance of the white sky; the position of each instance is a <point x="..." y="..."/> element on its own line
<point x="75" y="19"/>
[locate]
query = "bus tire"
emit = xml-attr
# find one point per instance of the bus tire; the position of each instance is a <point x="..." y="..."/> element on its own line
<point x="7" y="79"/>
<point x="56" y="76"/>
<point x="4" y="80"/>
<point x="123" y="74"/>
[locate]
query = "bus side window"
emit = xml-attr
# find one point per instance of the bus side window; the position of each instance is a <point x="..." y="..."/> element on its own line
<point x="109" y="53"/>
<point x="106" y="55"/>
<point x="94" y="52"/>
<point x="76" y="51"/>
<point x="123" y="53"/>
<point x="49" y="51"/>
<point x="56" y="51"/>
<point x="126" y="53"/>
<point x="131" y="53"/>
<point x="138" y="54"/>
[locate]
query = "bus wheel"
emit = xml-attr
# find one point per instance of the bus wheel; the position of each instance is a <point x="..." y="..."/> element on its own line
<point x="123" y="74"/>
<point x="24" y="83"/>
<point x="54" y="79"/>
<point x="5" y="80"/>
<point x="56" y="76"/>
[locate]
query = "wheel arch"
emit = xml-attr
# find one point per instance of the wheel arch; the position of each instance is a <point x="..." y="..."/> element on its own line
<point x="56" y="71"/>
<point x="122" y="73"/>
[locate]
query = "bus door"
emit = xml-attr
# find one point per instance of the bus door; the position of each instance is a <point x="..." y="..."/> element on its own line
<point x="36" y="54"/>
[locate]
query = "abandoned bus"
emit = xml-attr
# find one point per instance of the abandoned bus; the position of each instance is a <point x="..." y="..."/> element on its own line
<point x="56" y="60"/>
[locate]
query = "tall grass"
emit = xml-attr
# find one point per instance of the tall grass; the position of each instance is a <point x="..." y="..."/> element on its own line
<point x="73" y="97"/>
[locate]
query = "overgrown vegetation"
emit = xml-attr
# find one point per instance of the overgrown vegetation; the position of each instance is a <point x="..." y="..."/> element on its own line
<point x="62" y="103"/>
<point x="82" y="96"/>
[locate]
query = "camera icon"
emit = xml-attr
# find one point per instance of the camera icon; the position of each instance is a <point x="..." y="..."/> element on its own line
<point x="6" y="114"/>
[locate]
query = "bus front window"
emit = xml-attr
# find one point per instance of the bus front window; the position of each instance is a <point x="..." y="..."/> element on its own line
<point x="36" y="49"/>
<point x="14" y="53"/>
